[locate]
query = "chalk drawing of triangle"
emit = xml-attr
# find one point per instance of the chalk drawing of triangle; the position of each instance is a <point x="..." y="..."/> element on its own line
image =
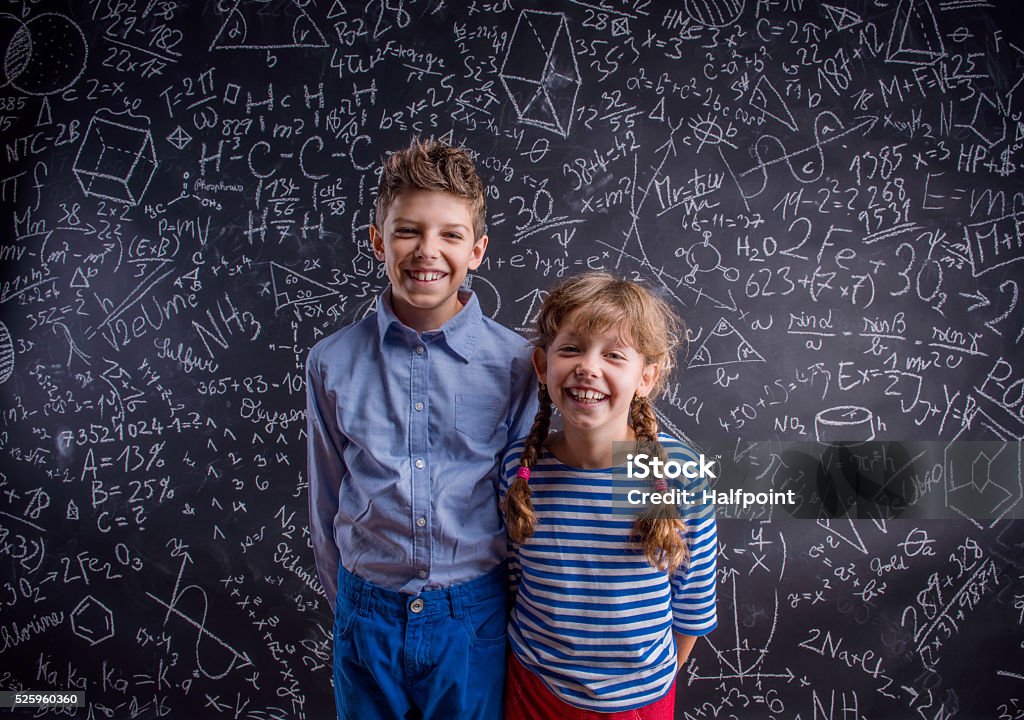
<point x="292" y="288"/>
<point x="267" y="25"/>
<point x="842" y="18"/>
<point x="766" y="98"/>
<point x="337" y="10"/>
<point x="848" y="532"/>
<point x="915" y="37"/>
<point x="733" y="655"/>
<point x="724" y="346"/>
<point x="45" y="116"/>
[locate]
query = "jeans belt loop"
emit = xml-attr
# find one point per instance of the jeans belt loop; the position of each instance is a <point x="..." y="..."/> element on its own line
<point x="364" y="599"/>
<point x="455" y="597"/>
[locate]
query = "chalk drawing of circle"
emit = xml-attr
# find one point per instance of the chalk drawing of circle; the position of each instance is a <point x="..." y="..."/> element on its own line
<point x="708" y="132"/>
<point x="46" y="55"/>
<point x="704" y="257"/>
<point x="844" y="423"/>
<point x="486" y="294"/>
<point x="6" y="354"/>
<point x="17" y="53"/>
<point x="714" y="13"/>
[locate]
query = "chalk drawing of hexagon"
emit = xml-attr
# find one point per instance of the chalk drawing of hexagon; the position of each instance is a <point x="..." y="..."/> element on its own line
<point x="983" y="479"/>
<point x="92" y="620"/>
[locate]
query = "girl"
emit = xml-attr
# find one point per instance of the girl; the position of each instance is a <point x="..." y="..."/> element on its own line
<point x="607" y="607"/>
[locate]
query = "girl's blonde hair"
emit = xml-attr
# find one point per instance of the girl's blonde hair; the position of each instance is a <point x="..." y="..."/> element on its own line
<point x="598" y="302"/>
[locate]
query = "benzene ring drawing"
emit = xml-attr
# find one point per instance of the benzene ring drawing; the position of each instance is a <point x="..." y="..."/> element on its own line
<point x="540" y="73"/>
<point x="983" y="480"/>
<point x="92" y="621"/>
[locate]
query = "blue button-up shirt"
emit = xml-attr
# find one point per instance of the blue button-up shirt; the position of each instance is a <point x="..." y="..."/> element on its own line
<point x="406" y="431"/>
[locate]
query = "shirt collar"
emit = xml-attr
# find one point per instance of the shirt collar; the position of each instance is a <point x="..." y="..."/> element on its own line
<point x="459" y="333"/>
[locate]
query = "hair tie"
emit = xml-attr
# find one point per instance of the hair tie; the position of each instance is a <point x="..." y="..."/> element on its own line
<point x="524" y="473"/>
<point x="660" y="484"/>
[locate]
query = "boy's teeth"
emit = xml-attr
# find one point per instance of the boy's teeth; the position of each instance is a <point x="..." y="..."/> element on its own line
<point x="418" y="275"/>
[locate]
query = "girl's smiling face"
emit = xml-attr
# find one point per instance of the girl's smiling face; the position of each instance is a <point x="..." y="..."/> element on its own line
<point x="592" y="380"/>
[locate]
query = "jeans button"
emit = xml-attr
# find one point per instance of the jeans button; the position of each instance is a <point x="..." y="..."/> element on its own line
<point x="416" y="605"/>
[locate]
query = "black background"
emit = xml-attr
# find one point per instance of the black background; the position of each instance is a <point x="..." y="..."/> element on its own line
<point x="828" y="194"/>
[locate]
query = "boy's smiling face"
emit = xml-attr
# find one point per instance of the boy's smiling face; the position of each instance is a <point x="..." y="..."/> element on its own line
<point x="427" y="243"/>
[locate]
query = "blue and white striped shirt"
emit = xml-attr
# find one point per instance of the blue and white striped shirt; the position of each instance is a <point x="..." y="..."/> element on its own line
<point x="593" y="619"/>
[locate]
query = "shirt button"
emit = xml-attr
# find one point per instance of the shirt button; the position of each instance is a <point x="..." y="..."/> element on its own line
<point x="421" y="521"/>
<point x="419" y="463"/>
<point x="419" y="350"/>
<point x="418" y="406"/>
<point x="416" y="605"/>
<point x="422" y="574"/>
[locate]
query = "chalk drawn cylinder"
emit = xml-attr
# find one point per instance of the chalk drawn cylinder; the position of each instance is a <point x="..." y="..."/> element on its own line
<point x="844" y="423"/>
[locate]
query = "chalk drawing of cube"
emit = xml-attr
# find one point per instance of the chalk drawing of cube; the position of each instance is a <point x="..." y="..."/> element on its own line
<point x="540" y="73"/>
<point x="116" y="161"/>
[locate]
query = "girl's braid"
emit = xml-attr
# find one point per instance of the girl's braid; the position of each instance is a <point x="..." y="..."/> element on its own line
<point x="645" y="425"/>
<point x="518" y="506"/>
<point x="659" y="529"/>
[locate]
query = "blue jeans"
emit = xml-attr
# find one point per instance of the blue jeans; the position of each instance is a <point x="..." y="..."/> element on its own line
<point x="439" y="655"/>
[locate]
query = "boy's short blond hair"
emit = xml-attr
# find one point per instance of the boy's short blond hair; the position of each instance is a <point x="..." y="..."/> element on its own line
<point x="432" y="165"/>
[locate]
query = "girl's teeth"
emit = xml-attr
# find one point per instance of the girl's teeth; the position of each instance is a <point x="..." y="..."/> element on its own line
<point x="587" y="395"/>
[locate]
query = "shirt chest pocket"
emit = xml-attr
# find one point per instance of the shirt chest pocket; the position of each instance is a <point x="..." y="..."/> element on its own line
<point x="477" y="416"/>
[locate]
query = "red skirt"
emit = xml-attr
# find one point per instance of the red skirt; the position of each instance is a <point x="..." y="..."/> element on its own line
<point x="528" y="698"/>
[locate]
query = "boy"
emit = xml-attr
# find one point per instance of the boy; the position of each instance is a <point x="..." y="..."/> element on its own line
<point x="409" y="411"/>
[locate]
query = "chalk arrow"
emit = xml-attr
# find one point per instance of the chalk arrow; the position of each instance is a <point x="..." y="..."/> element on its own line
<point x="982" y="300"/>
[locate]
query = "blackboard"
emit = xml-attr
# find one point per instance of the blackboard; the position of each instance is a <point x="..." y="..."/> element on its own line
<point x="829" y="194"/>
